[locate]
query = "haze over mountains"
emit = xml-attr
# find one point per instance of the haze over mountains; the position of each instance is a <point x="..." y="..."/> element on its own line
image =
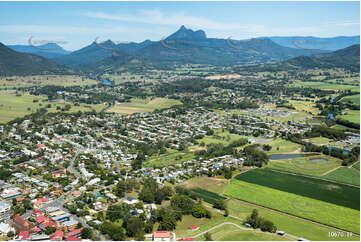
<point x="187" y="46"/>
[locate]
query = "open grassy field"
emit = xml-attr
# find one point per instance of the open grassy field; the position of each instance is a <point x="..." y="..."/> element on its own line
<point x="325" y="86"/>
<point x="12" y="106"/>
<point x="305" y="106"/>
<point x="220" y="137"/>
<point x="300" y="196"/>
<point x="212" y="184"/>
<point x="315" y="165"/>
<point x="357" y="166"/>
<point x="351" y="115"/>
<point x="229" y="232"/>
<point x="345" y="174"/>
<point x="319" y="140"/>
<point x="355" y="99"/>
<point x="289" y="224"/>
<point x="344" y="128"/>
<point x="280" y="145"/>
<point x="43" y="80"/>
<point x="171" y="157"/>
<point x="139" y="106"/>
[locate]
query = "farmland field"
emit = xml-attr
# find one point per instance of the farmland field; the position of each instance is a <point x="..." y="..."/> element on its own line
<point x="325" y="86"/>
<point x="351" y="115"/>
<point x="139" y="106"/>
<point x="292" y="225"/>
<point x="13" y="106"/>
<point x="315" y="165"/>
<point x="207" y="196"/>
<point x="353" y="99"/>
<point x="300" y="196"/>
<point x="208" y="183"/>
<point x="42" y="80"/>
<point x="229" y="232"/>
<point x="170" y="157"/>
<point x="345" y="174"/>
<point x="357" y="166"/>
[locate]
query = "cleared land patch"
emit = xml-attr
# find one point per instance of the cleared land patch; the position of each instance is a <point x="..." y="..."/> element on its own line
<point x="212" y="184"/>
<point x="355" y="99"/>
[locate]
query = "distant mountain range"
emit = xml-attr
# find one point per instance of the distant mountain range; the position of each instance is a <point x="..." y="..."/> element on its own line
<point x="16" y="63"/>
<point x="187" y="46"/>
<point x="49" y="50"/>
<point x="183" y="46"/>
<point x="332" y="43"/>
<point x="347" y="58"/>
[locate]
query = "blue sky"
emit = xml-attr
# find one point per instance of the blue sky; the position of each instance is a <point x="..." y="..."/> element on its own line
<point x="76" y="24"/>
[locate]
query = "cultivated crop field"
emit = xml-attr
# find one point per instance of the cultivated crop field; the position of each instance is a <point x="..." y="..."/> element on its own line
<point x="321" y="201"/>
<point x="289" y="224"/>
<point x="207" y="196"/>
<point x="345" y="174"/>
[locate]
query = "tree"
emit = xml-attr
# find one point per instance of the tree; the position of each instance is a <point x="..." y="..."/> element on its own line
<point x="27" y="204"/>
<point x="133" y="225"/>
<point x="227" y="173"/>
<point x="199" y="211"/>
<point x="49" y="230"/>
<point x="86" y="233"/>
<point x="220" y="204"/>
<point x="183" y="202"/>
<point x="114" y="231"/>
<point x="208" y="237"/>
<point x="226" y="212"/>
<point x="268" y="226"/>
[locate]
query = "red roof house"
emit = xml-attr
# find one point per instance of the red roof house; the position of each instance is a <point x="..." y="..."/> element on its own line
<point x="161" y="235"/>
<point x="21" y="224"/>
<point x="23" y="235"/>
<point x="194" y="227"/>
<point x="57" y="235"/>
<point x="74" y="233"/>
<point x="72" y="239"/>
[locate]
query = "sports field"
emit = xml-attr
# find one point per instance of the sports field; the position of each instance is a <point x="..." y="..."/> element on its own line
<point x="139" y="106"/>
<point x="321" y="201"/>
<point x="345" y="174"/>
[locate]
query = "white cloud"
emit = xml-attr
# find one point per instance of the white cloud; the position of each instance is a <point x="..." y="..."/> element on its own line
<point x="175" y="19"/>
